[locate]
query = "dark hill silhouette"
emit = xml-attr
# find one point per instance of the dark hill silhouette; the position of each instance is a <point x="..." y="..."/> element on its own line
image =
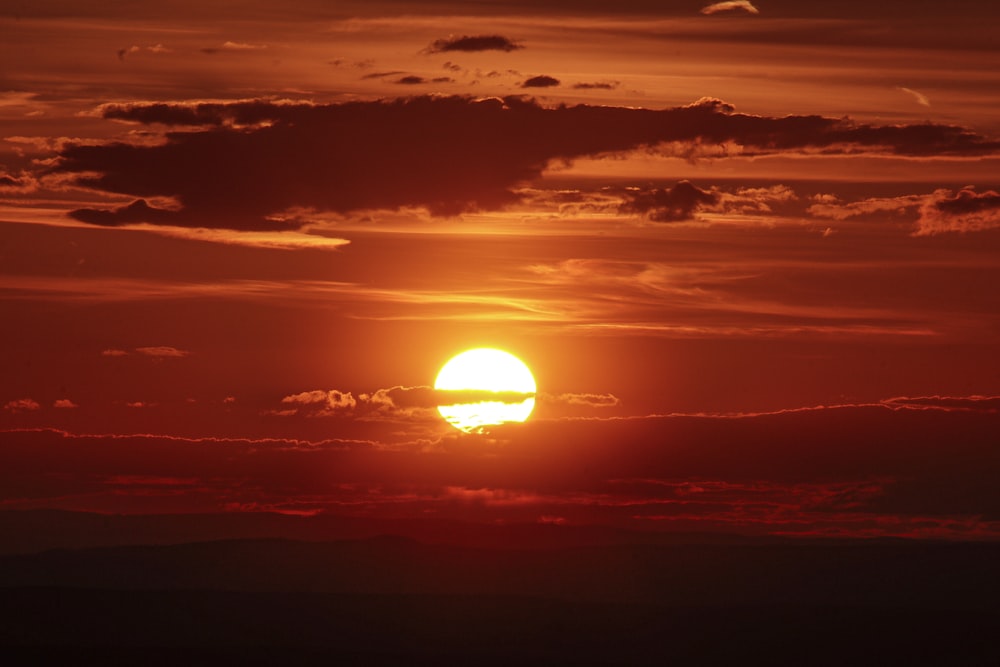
<point x="929" y="575"/>
<point x="391" y="600"/>
<point x="38" y="530"/>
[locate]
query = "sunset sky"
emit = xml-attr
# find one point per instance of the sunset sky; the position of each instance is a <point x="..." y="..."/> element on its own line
<point x="751" y="253"/>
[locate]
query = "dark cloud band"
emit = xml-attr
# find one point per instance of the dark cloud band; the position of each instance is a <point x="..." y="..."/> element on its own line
<point x="240" y="165"/>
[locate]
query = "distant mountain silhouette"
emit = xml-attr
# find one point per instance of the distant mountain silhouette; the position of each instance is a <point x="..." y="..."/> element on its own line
<point x="37" y="530"/>
<point x="394" y="600"/>
<point x="930" y="575"/>
<point x="74" y="626"/>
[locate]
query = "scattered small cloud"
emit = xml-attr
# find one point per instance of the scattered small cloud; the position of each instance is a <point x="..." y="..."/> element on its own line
<point x="552" y="520"/>
<point x="964" y="211"/>
<point x="411" y="80"/>
<point x="135" y="48"/>
<point x="394" y="403"/>
<point x="974" y="403"/>
<point x="382" y="75"/>
<point x="22" y="405"/>
<point x="231" y="46"/>
<point x="242" y="46"/>
<point x="942" y="211"/>
<point x="162" y="351"/>
<point x="473" y="43"/>
<point x="137" y="211"/>
<point x="730" y="6"/>
<point x="540" y="81"/>
<point x="596" y="85"/>
<point x="585" y="400"/>
<point x="321" y="403"/>
<point x="830" y="206"/>
<point x="156" y="351"/>
<point x="64" y="404"/>
<point x="678" y="203"/>
<point x="921" y="99"/>
<point x="21" y="183"/>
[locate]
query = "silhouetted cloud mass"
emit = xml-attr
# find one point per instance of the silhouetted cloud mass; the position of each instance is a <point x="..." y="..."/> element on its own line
<point x="964" y="211"/>
<point x="412" y="79"/>
<point x="938" y="212"/>
<point x="670" y="205"/>
<point x="240" y="165"/>
<point x="596" y="85"/>
<point x="473" y="43"/>
<point x="137" y="211"/>
<point x="967" y="200"/>
<point x="540" y="81"/>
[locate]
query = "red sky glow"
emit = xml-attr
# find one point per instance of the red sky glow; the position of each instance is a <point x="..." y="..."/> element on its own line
<point x="750" y="252"/>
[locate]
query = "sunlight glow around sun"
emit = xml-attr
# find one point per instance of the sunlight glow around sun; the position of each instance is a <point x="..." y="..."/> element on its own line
<point x="484" y="371"/>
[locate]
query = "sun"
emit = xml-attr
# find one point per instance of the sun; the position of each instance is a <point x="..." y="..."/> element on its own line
<point x="491" y="387"/>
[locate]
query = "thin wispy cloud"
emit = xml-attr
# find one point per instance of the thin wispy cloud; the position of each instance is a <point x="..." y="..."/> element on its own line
<point x="921" y="99"/>
<point x="730" y="6"/>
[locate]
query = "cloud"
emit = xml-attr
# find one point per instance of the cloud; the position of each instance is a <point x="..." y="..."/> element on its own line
<point x="748" y="473"/>
<point x="242" y="46"/>
<point x="676" y="204"/>
<point x="540" y="81"/>
<point x="322" y="403"/>
<point x="411" y="80"/>
<point x="585" y="400"/>
<point x="919" y="97"/>
<point x="114" y="353"/>
<point x="772" y="199"/>
<point x="983" y="404"/>
<point x="137" y="211"/>
<point x="729" y="6"/>
<point x="233" y="47"/>
<point x="830" y="206"/>
<point x="241" y="165"/>
<point x="64" y="403"/>
<point x="21" y="183"/>
<point x="761" y="200"/>
<point x="401" y="402"/>
<point x="596" y="85"/>
<point x="382" y="75"/>
<point x="963" y="211"/>
<point x="135" y="48"/>
<point x="22" y="405"/>
<point x="473" y="43"/>
<point x="162" y="351"/>
<point x="940" y="212"/>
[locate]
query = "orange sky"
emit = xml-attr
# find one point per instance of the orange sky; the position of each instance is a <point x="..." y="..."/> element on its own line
<point x="691" y="224"/>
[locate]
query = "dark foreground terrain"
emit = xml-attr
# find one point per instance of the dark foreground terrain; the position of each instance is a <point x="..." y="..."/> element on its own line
<point x="399" y="601"/>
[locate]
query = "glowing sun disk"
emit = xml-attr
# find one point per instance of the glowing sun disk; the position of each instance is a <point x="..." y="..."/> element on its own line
<point x="481" y="371"/>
